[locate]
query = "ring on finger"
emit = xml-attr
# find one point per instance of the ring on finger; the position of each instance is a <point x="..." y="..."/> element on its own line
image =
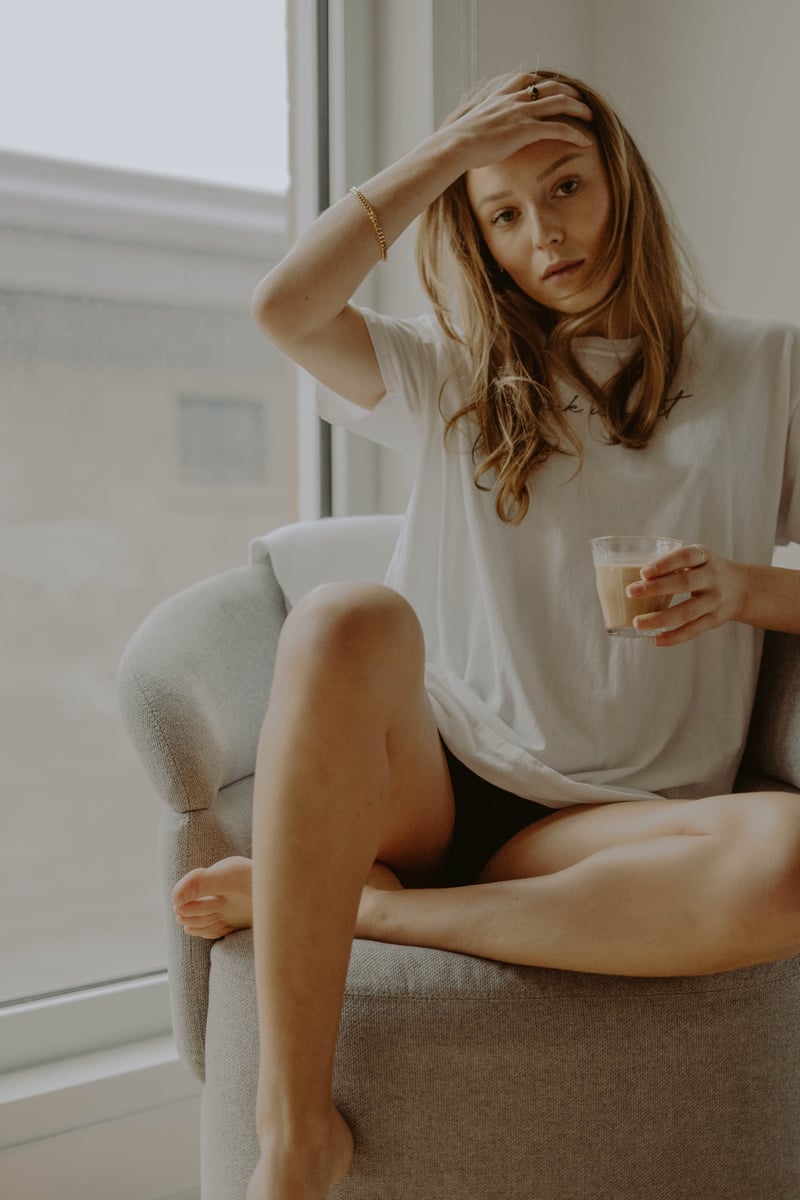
<point x="533" y="92"/>
<point x="704" y="559"/>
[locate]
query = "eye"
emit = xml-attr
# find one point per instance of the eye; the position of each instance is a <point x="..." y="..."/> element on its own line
<point x="571" y="184"/>
<point x="505" y="217"/>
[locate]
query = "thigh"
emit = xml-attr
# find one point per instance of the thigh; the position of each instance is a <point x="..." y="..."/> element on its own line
<point x="420" y="811"/>
<point x="568" y="835"/>
<point x="349" y="695"/>
<point x="766" y="823"/>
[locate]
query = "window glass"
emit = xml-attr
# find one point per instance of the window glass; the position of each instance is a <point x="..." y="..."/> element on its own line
<point x="188" y="88"/>
<point x="147" y="433"/>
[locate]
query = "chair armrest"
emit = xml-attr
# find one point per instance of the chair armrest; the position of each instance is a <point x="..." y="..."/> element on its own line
<point x="194" y="681"/>
<point x="773" y="743"/>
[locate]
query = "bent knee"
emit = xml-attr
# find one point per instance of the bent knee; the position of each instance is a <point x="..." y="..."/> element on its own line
<point x="361" y="627"/>
<point x="768" y="837"/>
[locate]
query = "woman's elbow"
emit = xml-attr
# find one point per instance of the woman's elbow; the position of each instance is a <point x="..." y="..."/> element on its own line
<point x="266" y="306"/>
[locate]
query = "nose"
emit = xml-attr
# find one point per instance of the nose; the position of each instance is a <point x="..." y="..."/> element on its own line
<point x="545" y="227"/>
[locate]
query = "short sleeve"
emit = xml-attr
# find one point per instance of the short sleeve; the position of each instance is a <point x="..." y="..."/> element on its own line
<point x="788" y="529"/>
<point x="415" y="358"/>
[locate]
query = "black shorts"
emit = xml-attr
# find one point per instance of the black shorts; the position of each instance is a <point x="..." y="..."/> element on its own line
<point x="486" y="818"/>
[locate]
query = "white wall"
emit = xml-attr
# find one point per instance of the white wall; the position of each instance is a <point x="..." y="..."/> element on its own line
<point x="709" y="90"/>
<point x="522" y="34"/>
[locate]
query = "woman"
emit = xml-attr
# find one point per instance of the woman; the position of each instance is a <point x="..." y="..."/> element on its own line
<point x="509" y="781"/>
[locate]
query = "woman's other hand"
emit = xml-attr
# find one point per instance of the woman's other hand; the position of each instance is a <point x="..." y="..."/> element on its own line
<point x="715" y="587"/>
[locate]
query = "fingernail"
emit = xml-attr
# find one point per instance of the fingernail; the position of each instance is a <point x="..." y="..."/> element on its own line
<point x="634" y="589"/>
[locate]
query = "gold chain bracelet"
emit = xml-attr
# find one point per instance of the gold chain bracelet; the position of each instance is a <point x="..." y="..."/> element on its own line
<point x="374" y="219"/>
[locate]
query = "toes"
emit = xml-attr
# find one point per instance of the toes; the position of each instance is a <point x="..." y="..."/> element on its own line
<point x="192" y="923"/>
<point x="198" y="908"/>
<point x="186" y="888"/>
<point x="191" y="887"/>
<point x="216" y="929"/>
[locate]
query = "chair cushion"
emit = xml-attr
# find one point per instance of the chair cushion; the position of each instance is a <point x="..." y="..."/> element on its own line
<point x="335" y="548"/>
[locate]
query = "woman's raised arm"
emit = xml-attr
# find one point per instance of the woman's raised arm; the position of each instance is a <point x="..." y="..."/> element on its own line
<point x="303" y="304"/>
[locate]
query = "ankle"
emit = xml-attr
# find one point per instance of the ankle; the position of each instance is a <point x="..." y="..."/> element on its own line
<point x="303" y="1167"/>
<point x="281" y="1122"/>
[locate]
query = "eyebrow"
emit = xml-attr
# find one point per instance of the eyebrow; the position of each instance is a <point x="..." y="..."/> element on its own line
<point x="549" y="171"/>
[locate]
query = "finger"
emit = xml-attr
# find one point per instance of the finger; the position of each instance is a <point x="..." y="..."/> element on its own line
<point x="685" y="633"/>
<point x="674" y="584"/>
<point x="678" y="614"/>
<point x="547" y="87"/>
<point x="684" y="559"/>
<point x="560" y="105"/>
<point x="557" y="131"/>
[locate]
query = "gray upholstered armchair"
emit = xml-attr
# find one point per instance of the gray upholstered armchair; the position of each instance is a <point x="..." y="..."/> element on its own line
<point x="462" y="1078"/>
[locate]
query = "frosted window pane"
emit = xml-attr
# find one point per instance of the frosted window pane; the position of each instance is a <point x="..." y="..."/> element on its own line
<point x="194" y="89"/>
<point x="98" y="524"/>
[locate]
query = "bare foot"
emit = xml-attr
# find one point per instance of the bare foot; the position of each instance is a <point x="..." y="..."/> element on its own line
<point x="303" y="1169"/>
<point x="211" y="902"/>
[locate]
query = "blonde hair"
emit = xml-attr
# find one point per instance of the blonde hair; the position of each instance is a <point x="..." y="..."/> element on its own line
<point x="518" y="346"/>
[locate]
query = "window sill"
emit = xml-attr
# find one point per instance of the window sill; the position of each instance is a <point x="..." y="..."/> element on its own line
<point x="122" y="1122"/>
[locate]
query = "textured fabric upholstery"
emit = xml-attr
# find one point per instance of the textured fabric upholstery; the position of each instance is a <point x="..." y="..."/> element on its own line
<point x="462" y="1078"/>
<point x="469" y="1079"/>
<point x="774" y="742"/>
<point x="193" y="686"/>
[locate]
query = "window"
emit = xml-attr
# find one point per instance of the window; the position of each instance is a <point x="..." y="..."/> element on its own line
<point x="148" y="430"/>
<point x="189" y="89"/>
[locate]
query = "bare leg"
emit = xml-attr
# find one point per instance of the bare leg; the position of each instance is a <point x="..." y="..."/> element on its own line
<point x="211" y="902"/>
<point x="714" y="887"/>
<point x="552" y="844"/>
<point x="350" y="769"/>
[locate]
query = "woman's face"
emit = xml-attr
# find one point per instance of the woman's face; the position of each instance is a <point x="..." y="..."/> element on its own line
<point x="546" y="207"/>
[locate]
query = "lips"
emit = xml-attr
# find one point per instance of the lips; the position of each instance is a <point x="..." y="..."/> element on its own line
<point x="563" y="270"/>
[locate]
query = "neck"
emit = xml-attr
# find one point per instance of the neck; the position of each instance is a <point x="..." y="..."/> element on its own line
<point x="615" y="322"/>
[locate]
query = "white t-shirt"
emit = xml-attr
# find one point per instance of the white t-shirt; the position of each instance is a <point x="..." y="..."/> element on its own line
<point x="527" y="688"/>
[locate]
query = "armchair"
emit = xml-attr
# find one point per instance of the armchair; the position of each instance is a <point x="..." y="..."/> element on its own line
<point x="462" y="1078"/>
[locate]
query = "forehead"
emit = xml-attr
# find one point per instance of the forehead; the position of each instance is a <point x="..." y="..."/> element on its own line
<point x="524" y="169"/>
